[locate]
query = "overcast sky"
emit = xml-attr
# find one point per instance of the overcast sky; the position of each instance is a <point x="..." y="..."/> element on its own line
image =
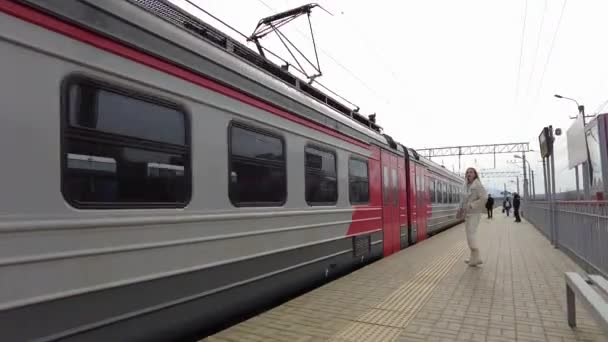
<point x="433" y="70"/>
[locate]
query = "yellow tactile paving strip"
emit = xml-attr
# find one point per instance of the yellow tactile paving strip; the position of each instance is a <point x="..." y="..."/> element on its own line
<point x="385" y="322"/>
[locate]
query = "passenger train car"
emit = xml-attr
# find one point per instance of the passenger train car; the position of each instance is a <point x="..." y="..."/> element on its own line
<point x="160" y="178"/>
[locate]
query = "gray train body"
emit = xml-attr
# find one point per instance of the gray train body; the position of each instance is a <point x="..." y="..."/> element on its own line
<point x="77" y="270"/>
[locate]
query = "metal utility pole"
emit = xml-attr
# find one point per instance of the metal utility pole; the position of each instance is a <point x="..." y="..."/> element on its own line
<point x="546" y="141"/>
<point x="586" y="168"/>
<point x="545" y="178"/>
<point x="523" y="157"/>
<point x="533" y="186"/>
<point x="553" y="196"/>
<point x="578" y="188"/>
<point x="527" y="184"/>
<point x="517" y="184"/>
<point x="530" y="181"/>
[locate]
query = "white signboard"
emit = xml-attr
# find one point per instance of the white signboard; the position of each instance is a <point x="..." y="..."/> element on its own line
<point x="577" y="148"/>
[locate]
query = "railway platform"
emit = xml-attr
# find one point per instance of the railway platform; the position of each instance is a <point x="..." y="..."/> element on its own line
<point x="427" y="293"/>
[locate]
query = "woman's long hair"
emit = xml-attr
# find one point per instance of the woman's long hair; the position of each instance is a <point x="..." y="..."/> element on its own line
<point x="474" y="171"/>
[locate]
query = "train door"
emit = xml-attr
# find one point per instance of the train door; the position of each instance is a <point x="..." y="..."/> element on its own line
<point x="390" y="203"/>
<point x="413" y="202"/>
<point x="397" y="204"/>
<point x="403" y="226"/>
<point x="421" y="203"/>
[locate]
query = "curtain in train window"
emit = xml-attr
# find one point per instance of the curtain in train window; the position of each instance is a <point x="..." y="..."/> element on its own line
<point x="258" y="175"/>
<point x="321" y="182"/>
<point x="123" y="149"/>
<point x="358" y="181"/>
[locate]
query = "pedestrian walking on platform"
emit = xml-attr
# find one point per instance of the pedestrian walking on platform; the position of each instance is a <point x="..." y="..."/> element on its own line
<point x="516" y="204"/>
<point x="471" y="207"/>
<point x="490" y="206"/>
<point x="506" y="206"/>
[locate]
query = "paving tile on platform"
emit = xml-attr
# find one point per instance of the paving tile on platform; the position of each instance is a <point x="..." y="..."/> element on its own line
<point x="427" y="293"/>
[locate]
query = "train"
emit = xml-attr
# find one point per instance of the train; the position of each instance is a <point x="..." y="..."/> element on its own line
<point x="167" y="179"/>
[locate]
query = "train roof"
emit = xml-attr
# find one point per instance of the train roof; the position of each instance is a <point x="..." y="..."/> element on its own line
<point x="431" y="165"/>
<point x="168" y="32"/>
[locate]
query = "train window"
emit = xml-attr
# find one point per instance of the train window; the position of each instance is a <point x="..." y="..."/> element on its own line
<point x="321" y="181"/>
<point x="432" y="190"/>
<point x="358" y="181"/>
<point x="257" y="174"/>
<point x="122" y="149"/>
<point x="110" y="112"/>
<point x="445" y="193"/>
<point x="386" y="185"/>
<point x="438" y="192"/>
<point x="450" y="195"/>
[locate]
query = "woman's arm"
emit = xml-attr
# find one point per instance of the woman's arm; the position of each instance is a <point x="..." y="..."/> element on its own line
<point x="481" y="197"/>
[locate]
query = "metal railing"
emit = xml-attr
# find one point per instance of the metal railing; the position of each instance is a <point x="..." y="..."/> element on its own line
<point x="580" y="229"/>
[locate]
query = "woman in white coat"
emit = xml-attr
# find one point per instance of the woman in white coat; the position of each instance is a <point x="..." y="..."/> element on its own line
<point x="471" y="207"/>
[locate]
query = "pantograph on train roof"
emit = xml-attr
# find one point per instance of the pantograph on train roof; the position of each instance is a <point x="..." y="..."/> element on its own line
<point x="171" y="13"/>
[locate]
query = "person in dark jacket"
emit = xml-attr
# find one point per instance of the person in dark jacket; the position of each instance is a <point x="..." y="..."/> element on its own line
<point x="490" y="206"/>
<point x="516" y="203"/>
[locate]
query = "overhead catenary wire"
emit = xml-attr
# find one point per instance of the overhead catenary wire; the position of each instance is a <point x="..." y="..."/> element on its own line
<point x="521" y="51"/>
<point x="542" y="77"/>
<point x="600" y="108"/>
<point x="538" y="37"/>
<point x="216" y="18"/>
